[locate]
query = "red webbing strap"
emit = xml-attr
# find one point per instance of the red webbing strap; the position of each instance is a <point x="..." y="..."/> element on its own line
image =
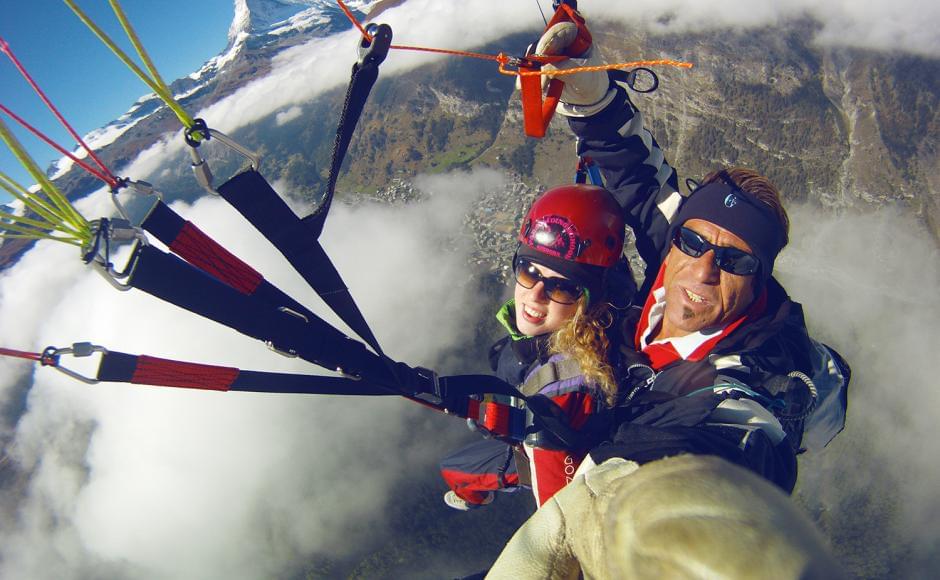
<point x="582" y="42"/>
<point x="170" y="373"/>
<point x="496" y="418"/>
<point x="473" y="409"/>
<point x="203" y="252"/>
<point x="536" y="113"/>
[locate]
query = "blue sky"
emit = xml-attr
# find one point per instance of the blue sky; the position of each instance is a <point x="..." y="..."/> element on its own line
<point x="81" y="76"/>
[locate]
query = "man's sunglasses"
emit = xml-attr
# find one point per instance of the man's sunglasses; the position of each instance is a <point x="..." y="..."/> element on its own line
<point x="731" y="260"/>
<point x="560" y="290"/>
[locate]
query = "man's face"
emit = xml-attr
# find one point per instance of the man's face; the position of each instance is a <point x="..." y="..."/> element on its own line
<point x="699" y="295"/>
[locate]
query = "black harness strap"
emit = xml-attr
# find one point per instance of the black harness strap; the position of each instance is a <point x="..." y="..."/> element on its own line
<point x="295" y="238"/>
<point x="364" y="74"/>
<point x="147" y="370"/>
<point x="171" y="279"/>
<point x="253" y="197"/>
<point x="186" y="240"/>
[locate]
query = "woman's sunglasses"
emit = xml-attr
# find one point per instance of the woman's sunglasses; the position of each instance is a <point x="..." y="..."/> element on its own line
<point x="560" y="290"/>
<point x="731" y="260"/>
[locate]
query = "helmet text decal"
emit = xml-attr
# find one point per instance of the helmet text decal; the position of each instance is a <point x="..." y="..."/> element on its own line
<point x="555" y="236"/>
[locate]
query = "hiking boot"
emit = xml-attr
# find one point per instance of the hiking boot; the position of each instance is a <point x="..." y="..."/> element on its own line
<point x="458" y="503"/>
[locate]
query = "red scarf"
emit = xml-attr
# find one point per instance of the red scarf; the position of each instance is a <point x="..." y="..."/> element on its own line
<point x="664" y="353"/>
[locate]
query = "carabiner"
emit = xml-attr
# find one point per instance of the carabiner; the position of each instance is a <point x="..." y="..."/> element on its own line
<point x="51" y="355"/>
<point x="141" y="187"/>
<point x="200" y="167"/>
<point x="632" y="80"/>
<point x="97" y="251"/>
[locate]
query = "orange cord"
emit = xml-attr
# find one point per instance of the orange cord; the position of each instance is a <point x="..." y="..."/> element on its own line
<point x="355" y="22"/>
<point x="505" y="60"/>
<point x="571" y="71"/>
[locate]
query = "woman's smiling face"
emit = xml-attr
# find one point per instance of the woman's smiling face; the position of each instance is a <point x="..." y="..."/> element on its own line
<point x="537" y="314"/>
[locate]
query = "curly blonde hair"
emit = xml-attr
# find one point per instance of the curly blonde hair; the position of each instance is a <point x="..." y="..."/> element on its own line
<point x="584" y="338"/>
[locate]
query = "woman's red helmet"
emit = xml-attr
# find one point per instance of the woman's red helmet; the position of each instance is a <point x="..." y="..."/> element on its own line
<point x="576" y="223"/>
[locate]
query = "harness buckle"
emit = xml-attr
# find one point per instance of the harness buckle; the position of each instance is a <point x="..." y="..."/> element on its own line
<point x="426" y="385"/>
<point x="345" y="375"/>
<point x="289" y="353"/>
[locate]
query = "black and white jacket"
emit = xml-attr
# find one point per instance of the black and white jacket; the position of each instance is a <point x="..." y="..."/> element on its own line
<point x="760" y="387"/>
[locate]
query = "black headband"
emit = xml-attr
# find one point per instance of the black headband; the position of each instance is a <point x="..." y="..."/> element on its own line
<point x="740" y="213"/>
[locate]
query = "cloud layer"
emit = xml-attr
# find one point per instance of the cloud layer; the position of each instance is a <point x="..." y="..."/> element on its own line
<point x="150" y="483"/>
<point x="166" y="483"/>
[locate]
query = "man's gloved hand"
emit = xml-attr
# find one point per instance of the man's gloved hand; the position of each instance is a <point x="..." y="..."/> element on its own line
<point x="585" y="93"/>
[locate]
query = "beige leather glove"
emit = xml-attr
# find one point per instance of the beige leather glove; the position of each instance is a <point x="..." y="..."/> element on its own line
<point x="585" y="93"/>
<point x="690" y="516"/>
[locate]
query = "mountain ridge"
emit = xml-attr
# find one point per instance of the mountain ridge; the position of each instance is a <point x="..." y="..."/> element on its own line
<point x="842" y="128"/>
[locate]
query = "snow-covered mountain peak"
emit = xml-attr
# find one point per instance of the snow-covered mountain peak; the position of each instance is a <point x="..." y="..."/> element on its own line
<point x="254" y="18"/>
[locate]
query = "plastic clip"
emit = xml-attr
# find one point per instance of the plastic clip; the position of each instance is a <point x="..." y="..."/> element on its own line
<point x="97" y="251"/>
<point x="51" y="357"/>
<point x="373" y="52"/>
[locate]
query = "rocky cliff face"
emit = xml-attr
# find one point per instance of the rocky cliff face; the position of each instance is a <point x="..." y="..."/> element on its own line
<point x="841" y="128"/>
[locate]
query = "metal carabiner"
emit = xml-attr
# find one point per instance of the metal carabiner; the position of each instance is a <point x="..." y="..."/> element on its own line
<point x="141" y="187"/>
<point x="97" y="251"/>
<point x="51" y="355"/>
<point x="199" y="165"/>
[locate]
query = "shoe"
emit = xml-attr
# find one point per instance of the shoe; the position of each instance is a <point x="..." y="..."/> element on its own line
<point x="458" y="503"/>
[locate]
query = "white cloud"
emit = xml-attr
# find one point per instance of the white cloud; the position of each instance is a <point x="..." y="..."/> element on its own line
<point x="907" y="25"/>
<point x="156" y="483"/>
<point x="867" y="284"/>
<point x="171" y="483"/>
<point x="288" y="115"/>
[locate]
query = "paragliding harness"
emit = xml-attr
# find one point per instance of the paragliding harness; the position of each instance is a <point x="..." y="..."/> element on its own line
<point x="212" y="282"/>
<point x="203" y="277"/>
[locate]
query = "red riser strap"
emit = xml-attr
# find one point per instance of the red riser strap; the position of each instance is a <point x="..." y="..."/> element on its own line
<point x="206" y="254"/>
<point x="169" y="373"/>
<point x="496" y="418"/>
